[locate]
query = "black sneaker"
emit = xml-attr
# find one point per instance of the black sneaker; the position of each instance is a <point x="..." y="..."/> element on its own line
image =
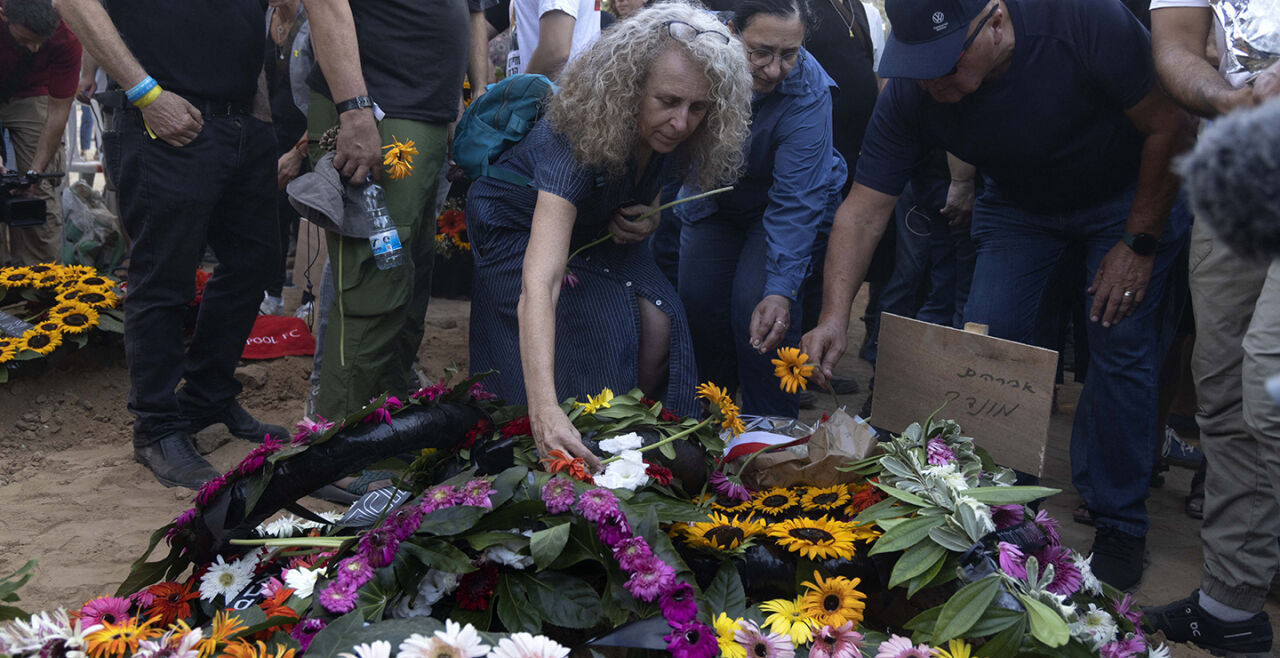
<point x="241" y="425"/>
<point x="1118" y="558"/>
<point x="1185" y="621"/>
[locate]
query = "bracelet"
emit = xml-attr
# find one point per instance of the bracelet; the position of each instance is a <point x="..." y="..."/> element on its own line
<point x="149" y="98"/>
<point x="357" y="103"/>
<point x="141" y="89"/>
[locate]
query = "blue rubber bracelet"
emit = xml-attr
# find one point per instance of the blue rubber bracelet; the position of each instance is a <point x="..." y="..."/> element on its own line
<point x="139" y="90"/>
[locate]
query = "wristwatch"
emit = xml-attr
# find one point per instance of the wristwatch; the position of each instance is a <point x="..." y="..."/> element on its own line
<point x="1143" y="244"/>
<point x="357" y="103"/>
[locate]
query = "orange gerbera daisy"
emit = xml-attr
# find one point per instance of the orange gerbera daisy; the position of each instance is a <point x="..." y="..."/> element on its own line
<point x="792" y="369"/>
<point x="119" y="639"/>
<point x="575" y="468"/>
<point x="170" y="602"/>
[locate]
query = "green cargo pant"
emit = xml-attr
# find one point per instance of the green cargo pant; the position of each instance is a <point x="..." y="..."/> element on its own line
<point x="376" y="320"/>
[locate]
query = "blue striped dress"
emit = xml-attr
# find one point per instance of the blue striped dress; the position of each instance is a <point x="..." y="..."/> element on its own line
<point x="598" y="319"/>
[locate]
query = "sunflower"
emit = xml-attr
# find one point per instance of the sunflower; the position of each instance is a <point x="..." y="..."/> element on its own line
<point x="74" y="272"/>
<point x="814" y="538"/>
<point x="70" y="294"/>
<point x="866" y="532"/>
<point x="46" y="279"/>
<point x="722" y="532"/>
<point x="44" y="268"/>
<point x="116" y="639"/>
<point x="775" y="502"/>
<point x="16" y="277"/>
<point x="833" y="601"/>
<point x="786" y="617"/>
<point x="48" y="326"/>
<point x="791" y="369"/>
<point x="94" y="282"/>
<point x="40" y="342"/>
<point x="224" y="626"/>
<point x="95" y="298"/>
<point x="738" y="507"/>
<point x="78" y="321"/>
<point x="399" y="158"/>
<point x="8" y="351"/>
<point x="825" y="499"/>
<point x="66" y="308"/>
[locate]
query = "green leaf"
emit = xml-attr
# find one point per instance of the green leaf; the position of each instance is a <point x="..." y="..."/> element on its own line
<point x="950" y="538"/>
<point x="257" y="485"/>
<point x="906" y="534"/>
<point x="965" y="607"/>
<point x="10" y="583"/>
<point x="923" y="625"/>
<point x="108" y="322"/>
<point x="725" y="593"/>
<point x="451" y="520"/>
<point x="926" y="579"/>
<point x="8" y="612"/>
<point x="1009" y="495"/>
<point x="668" y="450"/>
<point x="582" y="546"/>
<point x="889" y="508"/>
<point x="995" y="620"/>
<point x="547" y="545"/>
<point x="918" y="559"/>
<point x="516" y="612"/>
<point x="902" y="495"/>
<point x="1046" y="625"/>
<point x="481" y="619"/>
<point x="394" y="631"/>
<point x="334" y="638"/>
<point x="1006" y="644"/>
<point x="506" y="483"/>
<point x="438" y="554"/>
<point x="565" y="601"/>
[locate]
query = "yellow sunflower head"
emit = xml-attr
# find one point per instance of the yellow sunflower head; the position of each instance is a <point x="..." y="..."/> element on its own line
<point x="791" y="369"/>
<point x="40" y="342"/>
<point x="787" y="617"/>
<point x="7" y="351"/>
<point x="866" y="532"/>
<point x="95" y="282"/>
<point x="775" y="502"/>
<point x="75" y="272"/>
<point x="833" y="601"/>
<point x="816" y="539"/>
<point x="48" y="326"/>
<point x="825" y="499"/>
<point x="66" y="308"/>
<point x="722" y="533"/>
<point x="95" y="298"/>
<point x="16" y="277"/>
<point x="46" y="280"/>
<point x="738" y="506"/>
<point x="78" y="321"/>
<point x="44" y="268"/>
<point x="68" y="294"/>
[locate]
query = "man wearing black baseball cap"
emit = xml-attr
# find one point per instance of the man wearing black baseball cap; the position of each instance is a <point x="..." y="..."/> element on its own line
<point x="1057" y="104"/>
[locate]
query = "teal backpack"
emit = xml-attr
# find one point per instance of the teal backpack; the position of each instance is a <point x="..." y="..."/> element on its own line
<point x="495" y="122"/>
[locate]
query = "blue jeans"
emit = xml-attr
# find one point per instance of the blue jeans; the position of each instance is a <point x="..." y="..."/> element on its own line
<point x="721" y="282"/>
<point x="1114" y="436"/>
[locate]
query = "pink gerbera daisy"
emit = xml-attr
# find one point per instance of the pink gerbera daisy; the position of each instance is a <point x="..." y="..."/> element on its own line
<point x="1012" y="561"/>
<point x="836" y="642"/>
<point x="760" y="644"/>
<point x="900" y="647"/>
<point x="104" y="610"/>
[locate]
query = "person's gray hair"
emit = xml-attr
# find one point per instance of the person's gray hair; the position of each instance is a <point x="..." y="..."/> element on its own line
<point x="600" y="93"/>
<point x="1232" y="178"/>
<point x="35" y="15"/>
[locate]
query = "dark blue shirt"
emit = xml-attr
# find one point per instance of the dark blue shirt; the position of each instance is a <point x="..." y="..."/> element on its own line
<point x="1051" y="132"/>
<point x="792" y="173"/>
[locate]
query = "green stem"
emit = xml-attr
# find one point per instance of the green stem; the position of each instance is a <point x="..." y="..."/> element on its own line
<point x="659" y="209"/>
<point x="311" y="542"/>
<point x="663" y="442"/>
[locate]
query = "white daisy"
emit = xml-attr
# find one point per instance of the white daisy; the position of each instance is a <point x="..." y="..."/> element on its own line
<point x="301" y="580"/>
<point x="947" y="474"/>
<point x="378" y="649"/>
<point x="225" y="580"/>
<point x="285" y="526"/>
<point x="18" y="636"/>
<point x="524" y="645"/>
<point x="1088" y="581"/>
<point x="454" y="641"/>
<point x="621" y="443"/>
<point x="1096" y="627"/>
<point x="1161" y="651"/>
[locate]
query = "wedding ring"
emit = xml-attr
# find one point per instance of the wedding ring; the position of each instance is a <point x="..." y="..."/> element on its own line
<point x="780" y="322"/>
<point x="1128" y="293"/>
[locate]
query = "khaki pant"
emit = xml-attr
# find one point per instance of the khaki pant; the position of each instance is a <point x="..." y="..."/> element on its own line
<point x="1237" y="306"/>
<point x="24" y="119"/>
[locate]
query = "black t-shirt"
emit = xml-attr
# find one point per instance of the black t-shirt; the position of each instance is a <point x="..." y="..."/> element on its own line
<point x="1051" y="132"/>
<point x="413" y="54"/>
<point x="849" y="60"/>
<point x="196" y="48"/>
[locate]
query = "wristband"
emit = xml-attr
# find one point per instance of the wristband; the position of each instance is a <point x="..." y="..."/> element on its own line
<point x="357" y="103"/>
<point x="141" y="89"/>
<point x="148" y="98"/>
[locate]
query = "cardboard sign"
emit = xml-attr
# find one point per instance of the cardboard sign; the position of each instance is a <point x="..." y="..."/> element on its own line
<point x="1001" y="392"/>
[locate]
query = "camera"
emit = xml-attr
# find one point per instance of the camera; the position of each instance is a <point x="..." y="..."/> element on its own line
<point x="20" y="211"/>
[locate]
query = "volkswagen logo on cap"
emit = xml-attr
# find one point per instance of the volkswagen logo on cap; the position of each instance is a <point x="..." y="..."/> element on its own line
<point x="938" y="17"/>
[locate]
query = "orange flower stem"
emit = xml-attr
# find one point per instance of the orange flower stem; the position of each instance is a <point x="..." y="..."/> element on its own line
<point x="659" y="444"/>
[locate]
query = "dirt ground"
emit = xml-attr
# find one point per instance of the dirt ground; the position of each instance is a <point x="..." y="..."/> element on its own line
<point x="72" y="496"/>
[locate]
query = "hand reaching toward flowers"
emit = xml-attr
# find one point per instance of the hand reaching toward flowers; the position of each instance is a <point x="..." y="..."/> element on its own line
<point x="769" y="322"/>
<point x="634" y="223"/>
<point x="552" y="432"/>
<point x="824" y="344"/>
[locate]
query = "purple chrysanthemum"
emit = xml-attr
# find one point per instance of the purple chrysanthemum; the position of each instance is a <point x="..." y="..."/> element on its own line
<point x="476" y="493"/>
<point x="355" y="569"/>
<point x="210" y="489"/>
<point x="305" y="630"/>
<point x="338" y="599"/>
<point x="938" y="452"/>
<point x="1066" y="576"/>
<point x="438" y="497"/>
<point x="692" y="640"/>
<point x="596" y="504"/>
<point x="1007" y="516"/>
<point x="1126" y="648"/>
<point x="1012" y="561"/>
<point x="678" y="605"/>
<point x="629" y="551"/>
<point x="650" y="579"/>
<point x="558" y="495"/>
<point x="379" y="546"/>
<point x="1124" y="606"/>
<point x="613" y="528"/>
<point x="431" y="392"/>
<point x="730" y="487"/>
<point x="404" y="522"/>
<point x="1050" y="526"/>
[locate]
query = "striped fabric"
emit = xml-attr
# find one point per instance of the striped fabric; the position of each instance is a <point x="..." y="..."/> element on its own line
<point x="597" y="320"/>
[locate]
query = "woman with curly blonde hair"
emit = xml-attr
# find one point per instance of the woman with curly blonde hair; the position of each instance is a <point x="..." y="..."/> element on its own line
<point x="662" y="95"/>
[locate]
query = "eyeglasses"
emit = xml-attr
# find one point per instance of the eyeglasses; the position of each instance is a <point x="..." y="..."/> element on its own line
<point x="762" y="57"/>
<point x="687" y="33"/>
<point x="969" y="41"/>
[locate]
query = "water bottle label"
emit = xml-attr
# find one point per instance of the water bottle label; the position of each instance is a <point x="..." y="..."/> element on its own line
<point x="386" y="242"/>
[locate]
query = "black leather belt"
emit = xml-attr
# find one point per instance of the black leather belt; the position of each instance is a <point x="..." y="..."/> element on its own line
<point x="114" y="99"/>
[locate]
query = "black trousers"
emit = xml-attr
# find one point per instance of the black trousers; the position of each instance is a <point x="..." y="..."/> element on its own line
<point x="219" y="191"/>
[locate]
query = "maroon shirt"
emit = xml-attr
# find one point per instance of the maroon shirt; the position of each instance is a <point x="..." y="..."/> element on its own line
<point x="55" y="71"/>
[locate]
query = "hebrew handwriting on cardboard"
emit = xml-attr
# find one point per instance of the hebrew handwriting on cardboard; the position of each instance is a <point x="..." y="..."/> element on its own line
<point x="1001" y="392"/>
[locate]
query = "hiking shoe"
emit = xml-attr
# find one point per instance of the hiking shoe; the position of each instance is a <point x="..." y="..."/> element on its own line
<point x="174" y="461"/>
<point x="1118" y="558"/>
<point x="1178" y="452"/>
<point x="241" y="425"/>
<point x="1185" y="621"/>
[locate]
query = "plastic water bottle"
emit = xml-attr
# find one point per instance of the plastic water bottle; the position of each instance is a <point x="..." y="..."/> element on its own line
<point x="384" y="239"/>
